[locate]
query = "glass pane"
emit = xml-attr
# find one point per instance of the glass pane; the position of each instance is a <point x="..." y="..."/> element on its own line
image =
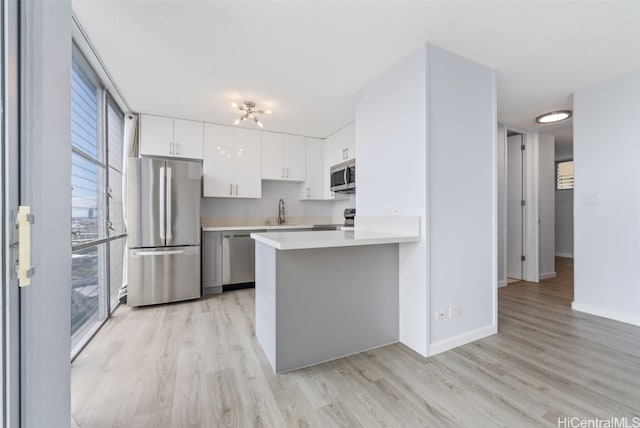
<point x="116" y="218"/>
<point x="115" y="136"/>
<point x="88" y="291"/>
<point x="116" y="269"/>
<point x="88" y="217"/>
<point x="85" y="122"/>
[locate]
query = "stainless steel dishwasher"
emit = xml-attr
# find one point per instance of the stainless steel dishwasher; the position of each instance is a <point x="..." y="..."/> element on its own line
<point x="238" y="257"/>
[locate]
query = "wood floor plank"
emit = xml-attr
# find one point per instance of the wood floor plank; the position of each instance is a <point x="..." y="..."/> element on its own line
<point x="198" y="364"/>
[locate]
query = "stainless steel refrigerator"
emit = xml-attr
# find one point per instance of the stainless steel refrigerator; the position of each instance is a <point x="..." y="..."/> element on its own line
<point x="163" y="198"/>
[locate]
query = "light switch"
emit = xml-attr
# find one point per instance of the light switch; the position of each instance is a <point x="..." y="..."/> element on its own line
<point x="590" y="199"/>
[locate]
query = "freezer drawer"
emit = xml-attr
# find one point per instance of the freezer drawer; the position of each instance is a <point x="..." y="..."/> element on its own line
<point x="161" y="275"/>
<point x="211" y="263"/>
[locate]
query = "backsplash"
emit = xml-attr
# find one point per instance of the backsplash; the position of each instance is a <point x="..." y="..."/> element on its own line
<point x="257" y="211"/>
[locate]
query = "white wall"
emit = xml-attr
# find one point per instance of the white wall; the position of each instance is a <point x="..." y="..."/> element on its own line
<point x="462" y="205"/>
<point x="391" y="148"/>
<point x="564" y="223"/>
<point x="607" y="200"/>
<point x="431" y="114"/>
<point x="546" y="205"/>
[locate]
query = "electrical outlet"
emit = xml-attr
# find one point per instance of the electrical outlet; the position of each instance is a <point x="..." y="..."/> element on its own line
<point x="440" y="314"/>
<point x="396" y="211"/>
<point x="455" y="311"/>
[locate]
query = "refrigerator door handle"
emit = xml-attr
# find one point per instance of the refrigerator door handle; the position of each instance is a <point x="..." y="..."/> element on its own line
<point x="158" y="253"/>
<point x="169" y="221"/>
<point x="163" y="222"/>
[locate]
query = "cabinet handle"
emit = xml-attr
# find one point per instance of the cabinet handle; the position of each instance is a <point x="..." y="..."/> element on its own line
<point x="287" y="172"/>
<point x="231" y="189"/>
<point x="344" y="154"/>
<point x="177" y="148"/>
<point x="347" y="151"/>
<point x="170" y="148"/>
<point x="281" y="172"/>
<point x="236" y="190"/>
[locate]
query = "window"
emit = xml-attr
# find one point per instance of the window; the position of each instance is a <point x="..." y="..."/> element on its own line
<point x="564" y="175"/>
<point x="97" y="225"/>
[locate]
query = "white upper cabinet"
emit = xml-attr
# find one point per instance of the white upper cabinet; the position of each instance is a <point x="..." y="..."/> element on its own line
<point x="272" y="156"/>
<point x="217" y="167"/>
<point x="165" y="136"/>
<point x="247" y="171"/>
<point x="187" y="138"/>
<point x="283" y="157"/>
<point x="316" y="186"/>
<point x="343" y="144"/>
<point x="231" y="166"/>
<point x="295" y="157"/>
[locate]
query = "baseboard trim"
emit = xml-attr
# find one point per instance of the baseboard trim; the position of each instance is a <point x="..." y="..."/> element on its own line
<point x="547" y="275"/>
<point x="606" y="313"/>
<point x="461" y="339"/>
<point x="502" y="283"/>
<point x="560" y="254"/>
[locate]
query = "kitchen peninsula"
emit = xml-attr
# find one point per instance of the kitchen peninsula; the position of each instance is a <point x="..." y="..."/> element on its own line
<point x="329" y="294"/>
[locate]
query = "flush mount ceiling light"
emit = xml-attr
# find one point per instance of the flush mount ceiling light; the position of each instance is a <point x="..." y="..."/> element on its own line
<point x="554" y="116"/>
<point x="249" y="112"/>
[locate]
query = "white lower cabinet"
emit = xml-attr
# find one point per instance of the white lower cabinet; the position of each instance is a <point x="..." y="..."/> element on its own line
<point x="231" y="166"/>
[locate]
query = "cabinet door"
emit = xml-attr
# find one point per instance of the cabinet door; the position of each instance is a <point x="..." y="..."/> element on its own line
<point x="156" y="135"/>
<point x="313" y="185"/>
<point x="272" y="156"/>
<point x="349" y="141"/>
<point x="217" y="167"/>
<point x="187" y="138"/>
<point x="329" y="161"/>
<point x="294" y="158"/>
<point x="247" y="160"/>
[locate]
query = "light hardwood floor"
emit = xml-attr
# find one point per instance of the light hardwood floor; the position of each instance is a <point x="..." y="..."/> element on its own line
<point x="198" y="364"/>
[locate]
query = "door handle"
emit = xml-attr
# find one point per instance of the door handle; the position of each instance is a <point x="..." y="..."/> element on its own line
<point x="110" y="225"/>
<point x="169" y="220"/>
<point x="163" y="188"/>
<point x="158" y="253"/>
<point x="24" y="270"/>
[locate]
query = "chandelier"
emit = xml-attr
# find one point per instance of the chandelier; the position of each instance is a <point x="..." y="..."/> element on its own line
<point x="249" y="111"/>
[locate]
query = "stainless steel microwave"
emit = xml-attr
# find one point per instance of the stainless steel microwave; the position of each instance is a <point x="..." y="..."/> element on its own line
<point x="343" y="177"/>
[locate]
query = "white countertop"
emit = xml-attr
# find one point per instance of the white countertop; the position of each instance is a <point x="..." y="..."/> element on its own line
<point x="261" y="227"/>
<point x="331" y="238"/>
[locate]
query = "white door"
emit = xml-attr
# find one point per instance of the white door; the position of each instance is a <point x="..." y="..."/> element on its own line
<point x="272" y="156"/>
<point x="187" y="137"/>
<point x="295" y="157"/>
<point x="156" y="135"/>
<point x="217" y="167"/>
<point x="247" y="161"/>
<point x="514" y="206"/>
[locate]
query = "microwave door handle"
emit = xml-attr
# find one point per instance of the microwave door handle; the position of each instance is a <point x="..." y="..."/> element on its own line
<point x="346" y="176"/>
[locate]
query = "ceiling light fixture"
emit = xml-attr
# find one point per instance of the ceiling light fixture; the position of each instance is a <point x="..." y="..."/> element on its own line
<point x="249" y="112"/>
<point x="554" y="116"/>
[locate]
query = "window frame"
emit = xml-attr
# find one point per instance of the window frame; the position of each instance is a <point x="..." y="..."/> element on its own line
<point x="86" y="332"/>
<point x="557" y="163"/>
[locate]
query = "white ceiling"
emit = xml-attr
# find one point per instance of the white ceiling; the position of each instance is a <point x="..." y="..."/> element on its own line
<point x="306" y="60"/>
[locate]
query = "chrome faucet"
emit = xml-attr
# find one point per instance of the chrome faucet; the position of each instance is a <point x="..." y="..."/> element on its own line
<point x="281" y="211"/>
